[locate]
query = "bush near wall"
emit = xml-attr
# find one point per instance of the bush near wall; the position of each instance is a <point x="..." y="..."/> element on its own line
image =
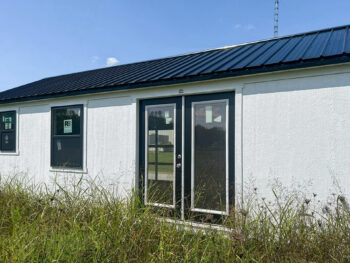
<point x="87" y="224"/>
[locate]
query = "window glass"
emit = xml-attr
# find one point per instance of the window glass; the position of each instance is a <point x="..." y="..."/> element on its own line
<point x="210" y="156"/>
<point x="67" y="121"/>
<point x="8" y="131"/>
<point x="67" y="152"/>
<point x="160" y="152"/>
<point x="66" y="142"/>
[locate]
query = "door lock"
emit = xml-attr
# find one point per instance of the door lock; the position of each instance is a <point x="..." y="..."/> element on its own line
<point x="178" y="165"/>
<point x="179" y="156"/>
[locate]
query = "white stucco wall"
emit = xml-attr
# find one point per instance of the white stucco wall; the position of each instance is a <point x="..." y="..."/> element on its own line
<point x="290" y="126"/>
<point x="109" y="143"/>
<point x="297" y="131"/>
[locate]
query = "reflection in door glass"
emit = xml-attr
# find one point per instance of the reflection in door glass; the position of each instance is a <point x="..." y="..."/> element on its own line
<point x="160" y="155"/>
<point x="209" y="156"/>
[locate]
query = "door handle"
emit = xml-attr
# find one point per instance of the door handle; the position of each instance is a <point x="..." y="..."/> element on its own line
<point x="178" y="165"/>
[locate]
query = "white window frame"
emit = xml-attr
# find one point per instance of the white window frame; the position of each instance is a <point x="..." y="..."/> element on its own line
<point x="201" y="210"/>
<point x="146" y="156"/>
<point x="84" y="170"/>
<point x="16" y="152"/>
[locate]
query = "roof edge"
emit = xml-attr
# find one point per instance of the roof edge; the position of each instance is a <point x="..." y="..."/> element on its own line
<point x="199" y="52"/>
<point x="232" y="74"/>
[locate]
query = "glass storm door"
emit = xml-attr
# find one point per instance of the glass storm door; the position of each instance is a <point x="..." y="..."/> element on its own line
<point x="160" y="154"/>
<point x="203" y="189"/>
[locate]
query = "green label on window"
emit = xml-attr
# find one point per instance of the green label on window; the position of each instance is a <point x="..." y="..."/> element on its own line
<point x="8" y="126"/>
<point x="7" y="120"/>
<point x="68" y="126"/>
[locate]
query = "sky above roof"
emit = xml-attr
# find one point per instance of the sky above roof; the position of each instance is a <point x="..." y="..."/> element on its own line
<point x="44" y="38"/>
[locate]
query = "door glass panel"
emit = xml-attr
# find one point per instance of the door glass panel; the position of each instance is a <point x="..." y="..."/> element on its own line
<point x="160" y="155"/>
<point x="209" y="175"/>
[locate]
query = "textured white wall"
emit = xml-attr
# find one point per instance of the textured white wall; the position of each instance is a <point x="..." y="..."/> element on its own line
<point x="297" y="131"/>
<point x="111" y="142"/>
<point x="110" y="145"/>
<point x="33" y="144"/>
<point x="290" y="126"/>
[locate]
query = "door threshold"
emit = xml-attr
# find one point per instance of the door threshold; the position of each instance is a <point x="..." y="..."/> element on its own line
<point x="196" y="226"/>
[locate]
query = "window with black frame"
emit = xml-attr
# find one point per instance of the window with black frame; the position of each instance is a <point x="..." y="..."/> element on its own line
<point x="8" y="131"/>
<point x="67" y="137"/>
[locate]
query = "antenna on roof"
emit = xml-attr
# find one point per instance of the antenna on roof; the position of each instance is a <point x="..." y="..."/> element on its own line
<point x="275" y="27"/>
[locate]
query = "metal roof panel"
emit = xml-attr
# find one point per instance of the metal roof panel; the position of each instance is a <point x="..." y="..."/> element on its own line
<point x="335" y="44"/>
<point x="331" y="45"/>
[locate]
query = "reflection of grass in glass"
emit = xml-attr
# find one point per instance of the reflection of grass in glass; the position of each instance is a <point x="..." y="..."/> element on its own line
<point x="210" y="180"/>
<point x="206" y="196"/>
<point x="165" y="169"/>
<point x="163" y="157"/>
<point x="160" y="192"/>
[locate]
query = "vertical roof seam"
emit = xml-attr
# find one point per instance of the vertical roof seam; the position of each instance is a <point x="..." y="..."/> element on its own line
<point x="309" y="45"/>
<point x="195" y="67"/>
<point x="326" y="43"/>
<point x="276" y="51"/>
<point x="235" y="55"/>
<point x="345" y="38"/>
<point x="249" y="54"/>
<point x="293" y="48"/>
<point x="234" y="51"/>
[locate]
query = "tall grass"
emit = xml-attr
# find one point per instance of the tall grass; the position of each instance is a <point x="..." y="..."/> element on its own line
<point x="87" y="224"/>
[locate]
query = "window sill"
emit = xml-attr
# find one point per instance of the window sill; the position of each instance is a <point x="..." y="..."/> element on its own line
<point x="73" y="171"/>
<point x="10" y="153"/>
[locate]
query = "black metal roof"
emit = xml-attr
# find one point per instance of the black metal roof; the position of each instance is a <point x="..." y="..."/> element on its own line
<point x="322" y="47"/>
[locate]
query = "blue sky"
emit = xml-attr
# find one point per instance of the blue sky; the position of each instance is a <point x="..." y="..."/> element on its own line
<point x="43" y="38"/>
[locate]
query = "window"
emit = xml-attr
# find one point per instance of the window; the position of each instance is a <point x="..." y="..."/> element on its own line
<point x="67" y="137"/>
<point x="8" y="131"/>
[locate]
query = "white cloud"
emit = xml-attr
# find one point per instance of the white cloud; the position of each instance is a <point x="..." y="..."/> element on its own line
<point x="111" y="61"/>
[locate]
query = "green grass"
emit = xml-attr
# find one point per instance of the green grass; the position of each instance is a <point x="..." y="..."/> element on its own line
<point x="87" y="224"/>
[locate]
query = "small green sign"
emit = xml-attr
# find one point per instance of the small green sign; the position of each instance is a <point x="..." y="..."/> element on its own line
<point x="67" y="126"/>
<point x="7" y="120"/>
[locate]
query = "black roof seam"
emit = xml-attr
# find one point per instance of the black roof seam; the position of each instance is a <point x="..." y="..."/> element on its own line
<point x="228" y="58"/>
<point x="235" y="60"/>
<point x="234" y="57"/>
<point x="345" y="38"/>
<point x="273" y="53"/>
<point x="234" y="51"/>
<point x="188" y="66"/>
<point x="183" y="65"/>
<point x="292" y="49"/>
<point x="211" y="58"/>
<point x="309" y="45"/>
<point x="261" y="52"/>
<point x="276" y="51"/>
<point x="343" y="59"/>
<point x="247" y="55"/>
<point x="326" y="44"/>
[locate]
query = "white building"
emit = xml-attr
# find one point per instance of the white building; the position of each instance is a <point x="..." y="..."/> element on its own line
<point x="195" y="128"/>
